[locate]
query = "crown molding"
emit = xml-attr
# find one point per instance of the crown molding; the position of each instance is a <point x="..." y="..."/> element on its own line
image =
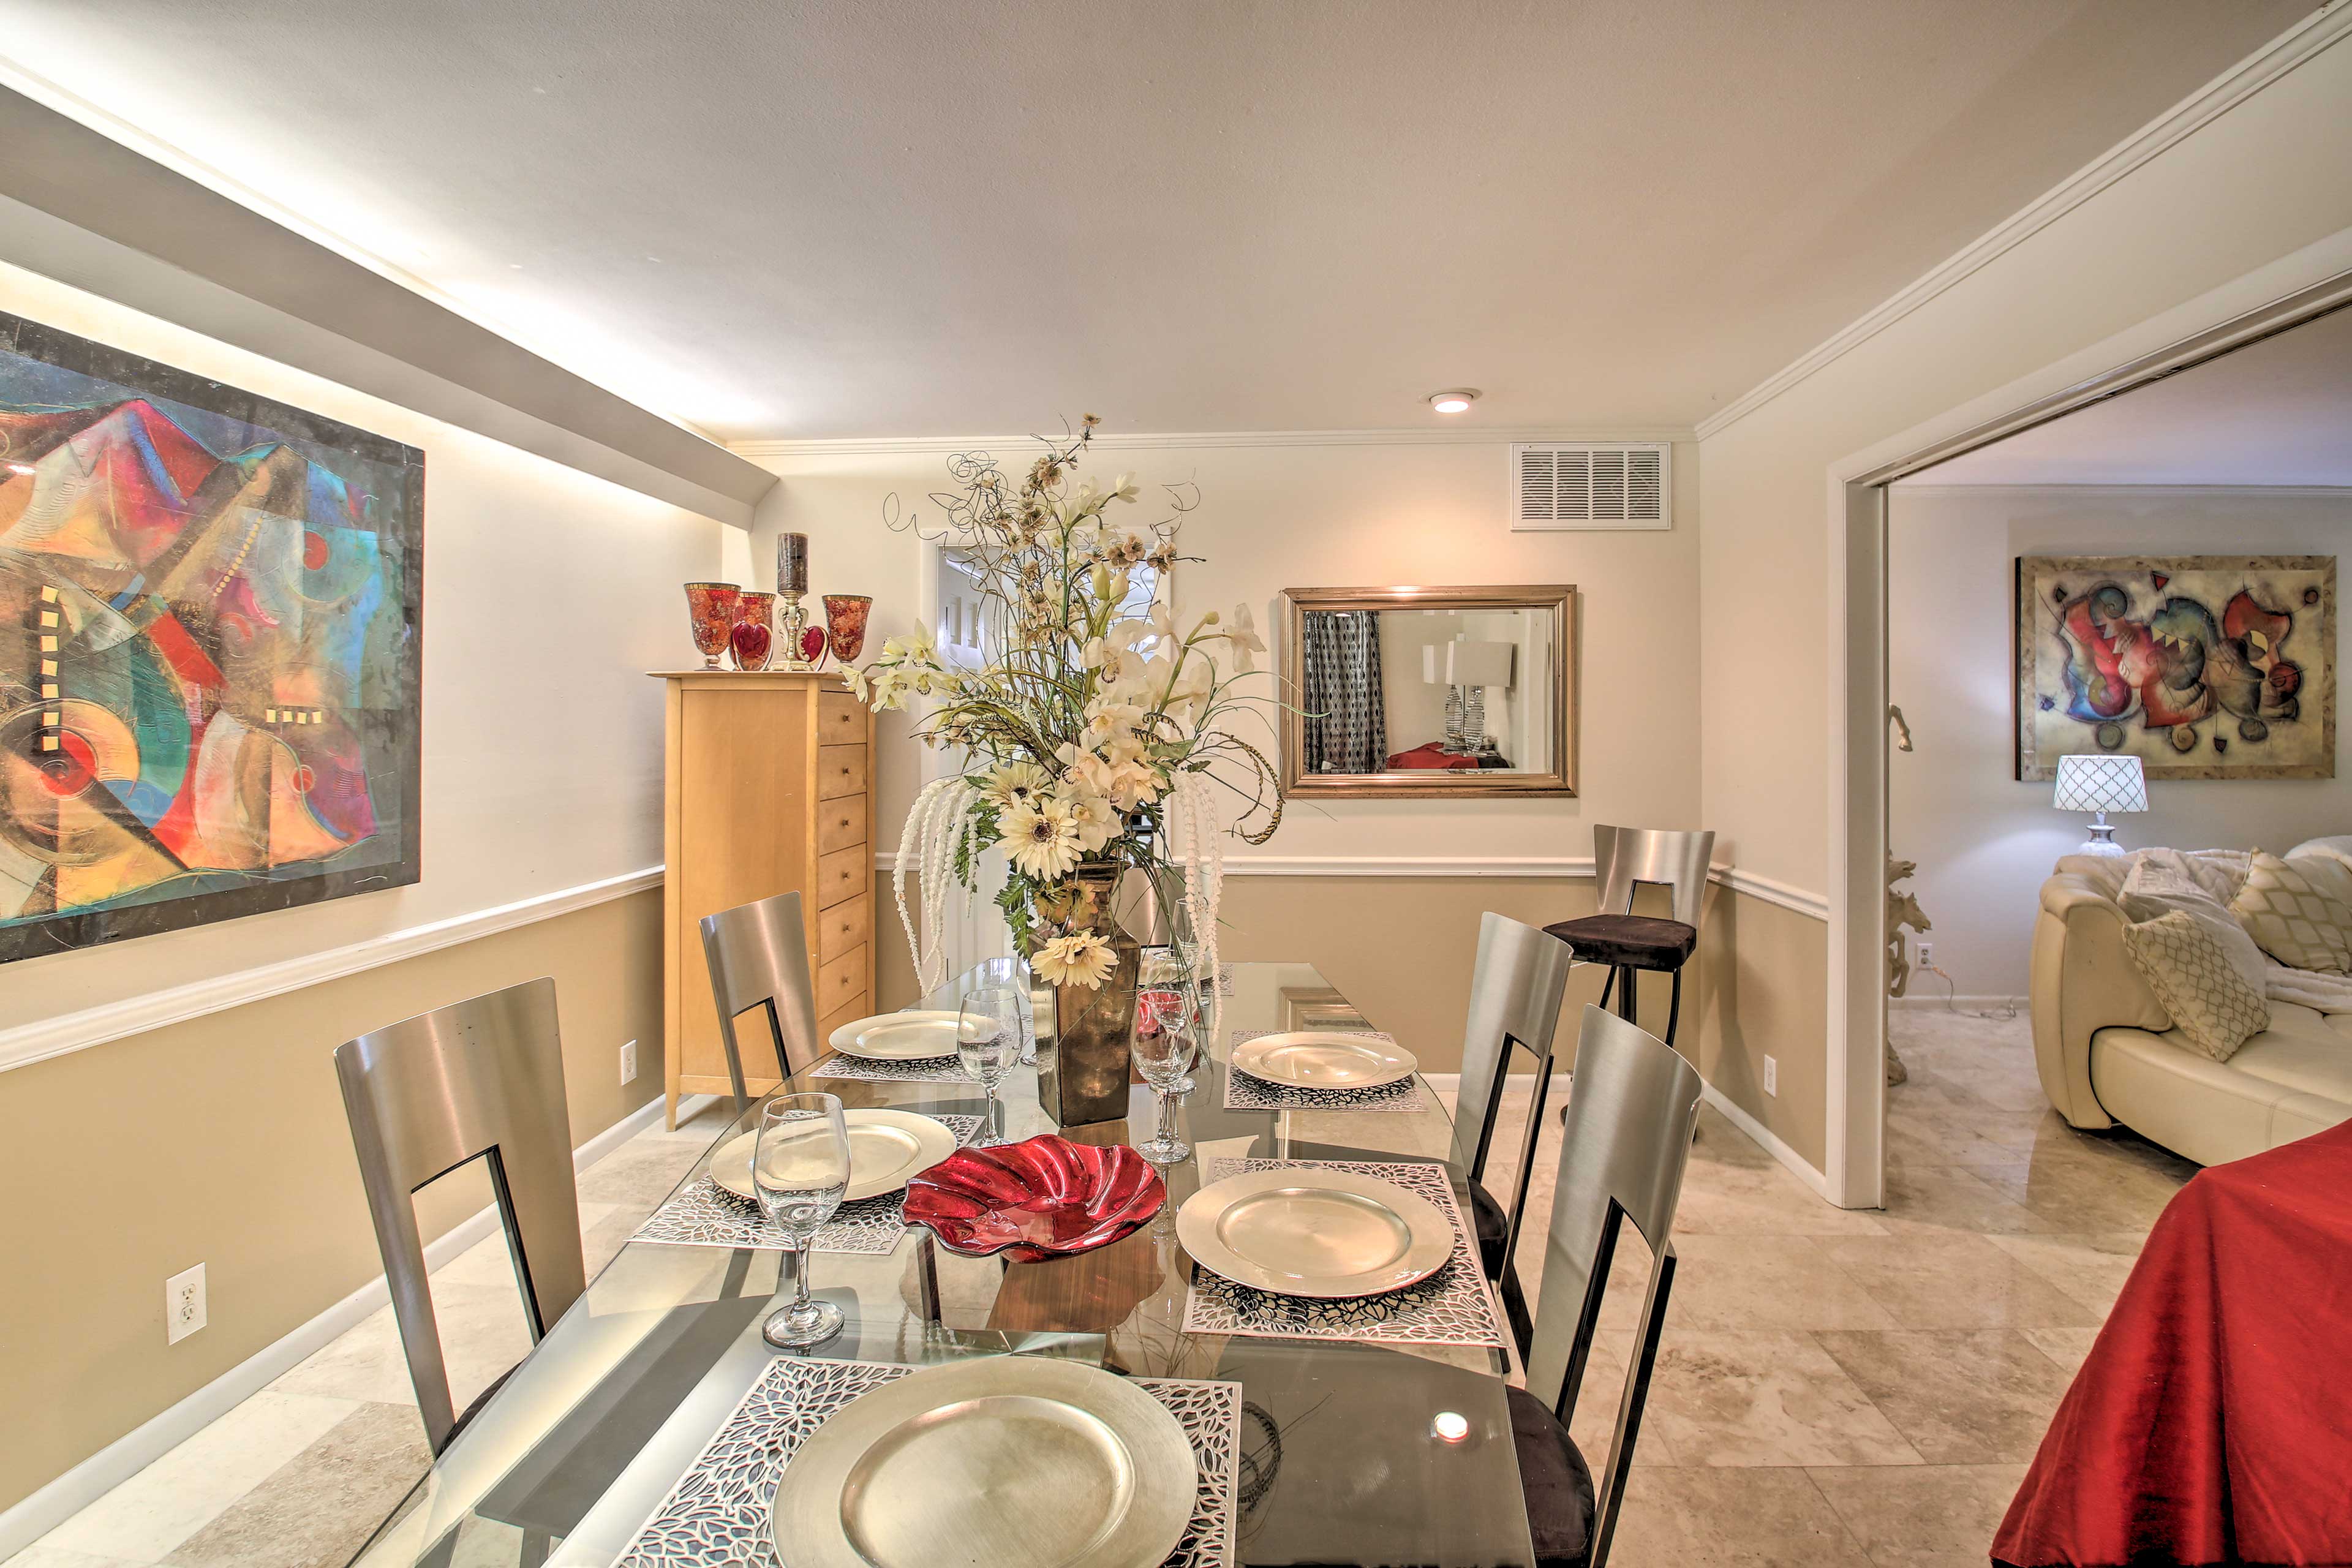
<point x="66" y="1033"/>
<point x="2132" y="492"/>
<point x="2303" y="41"/>
<point x="1463" y="436"/>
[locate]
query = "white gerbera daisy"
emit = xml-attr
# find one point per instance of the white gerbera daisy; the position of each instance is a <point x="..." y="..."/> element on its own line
<point x="1016" y="784"/>
<point x="1041" y="839"/>
<point x="1082" y="959"/>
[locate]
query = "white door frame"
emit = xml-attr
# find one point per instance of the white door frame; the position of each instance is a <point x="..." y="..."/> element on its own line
<point x="2227" y="318"/>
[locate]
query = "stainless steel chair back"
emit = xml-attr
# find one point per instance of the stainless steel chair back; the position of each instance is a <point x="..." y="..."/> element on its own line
<point x="478" y="1079"/>
<point x="758" y="955"/>
<point x="1515" y="995"/>
<point x="1625" y="858"/>
<point x="1623" y="1150"/>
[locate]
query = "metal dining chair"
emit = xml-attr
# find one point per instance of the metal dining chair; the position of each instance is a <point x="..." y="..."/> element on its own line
<point x="758" y="956"/>
<point x="1625" y="859"/>
<point x="478" y="1079"/>
<point x="1515" y="995"/>
<point x="1631" y="1111"/>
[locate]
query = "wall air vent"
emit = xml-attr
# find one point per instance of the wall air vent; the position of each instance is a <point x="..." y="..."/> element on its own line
<point x="1583" y="484"/>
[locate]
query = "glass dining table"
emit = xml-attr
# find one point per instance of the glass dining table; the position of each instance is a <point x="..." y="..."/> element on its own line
<point x="1350" y="1453"/>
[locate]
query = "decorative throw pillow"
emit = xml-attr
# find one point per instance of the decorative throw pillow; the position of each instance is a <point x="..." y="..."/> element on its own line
<point x="2166" y="882"/>
<point x="2209" y="1003"/>
<point x="2292" y="919"/>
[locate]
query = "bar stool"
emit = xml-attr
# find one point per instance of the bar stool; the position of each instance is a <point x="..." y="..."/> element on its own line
<point x="758" y="957"/>
<point x="478" y="1079"/>
<point x="1625" y="859"/>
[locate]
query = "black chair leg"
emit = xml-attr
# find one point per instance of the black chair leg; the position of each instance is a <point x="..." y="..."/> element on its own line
<point x="1628" y="996"/>
<point x="1674" y="1009"/>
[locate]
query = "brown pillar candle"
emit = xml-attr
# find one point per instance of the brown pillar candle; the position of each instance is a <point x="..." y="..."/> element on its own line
<point x="792" y="563"/>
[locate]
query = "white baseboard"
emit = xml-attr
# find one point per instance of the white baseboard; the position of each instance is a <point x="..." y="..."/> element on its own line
<point x="1965" y="1002"/>
<point x="1798" y="1164"/>
<point x="67" y="1495"/>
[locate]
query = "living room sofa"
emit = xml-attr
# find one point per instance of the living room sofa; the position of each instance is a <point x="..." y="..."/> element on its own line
<point x="2107" y="1051"/>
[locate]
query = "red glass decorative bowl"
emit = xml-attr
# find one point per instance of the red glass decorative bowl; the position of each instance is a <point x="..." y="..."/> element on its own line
<point x="1044" y="1197"/>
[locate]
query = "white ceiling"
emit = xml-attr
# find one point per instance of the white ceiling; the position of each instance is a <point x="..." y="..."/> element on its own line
<point x="2278" y="412"/>
<point x="778" y="218"/>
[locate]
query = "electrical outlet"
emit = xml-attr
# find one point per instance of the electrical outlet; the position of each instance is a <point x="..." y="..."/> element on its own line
<point x="1771" y="1077"/>
<point x="629" y="1062"/>
<point x="1926" y="955"/>
<point x="183" y="1304"/>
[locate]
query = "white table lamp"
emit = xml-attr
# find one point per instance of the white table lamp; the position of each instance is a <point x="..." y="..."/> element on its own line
<point x="2101" y="785"/>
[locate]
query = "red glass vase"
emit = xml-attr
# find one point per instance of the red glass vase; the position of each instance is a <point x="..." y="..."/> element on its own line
<point x="711" y="608"/>
<point x="753" y="637"/>
<point x="845" y="624"/>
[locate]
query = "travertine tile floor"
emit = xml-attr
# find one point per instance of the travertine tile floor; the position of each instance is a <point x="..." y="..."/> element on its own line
<point x="1836" y="1388"/>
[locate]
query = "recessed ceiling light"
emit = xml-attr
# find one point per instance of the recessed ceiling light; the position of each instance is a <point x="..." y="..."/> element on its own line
<point x="1455" y="400"/>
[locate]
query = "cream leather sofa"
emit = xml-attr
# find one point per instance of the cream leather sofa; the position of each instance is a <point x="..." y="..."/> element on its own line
<point x="2107" y="1054"/>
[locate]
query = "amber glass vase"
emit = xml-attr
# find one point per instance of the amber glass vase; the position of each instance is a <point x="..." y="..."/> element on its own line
<point x="754" y="635"/>
<point x="844" y="624"/>
<point x="711" y="608"/>
<point x="1082" y="1072"/>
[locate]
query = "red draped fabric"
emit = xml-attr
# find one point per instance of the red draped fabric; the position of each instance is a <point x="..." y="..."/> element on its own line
<point x="2212" y="1421"/>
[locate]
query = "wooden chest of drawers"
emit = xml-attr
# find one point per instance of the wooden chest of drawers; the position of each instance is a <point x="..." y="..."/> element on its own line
<point x="769" y="789"/>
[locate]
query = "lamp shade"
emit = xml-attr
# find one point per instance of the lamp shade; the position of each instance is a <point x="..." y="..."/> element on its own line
<point x="2101" y="784"/>
<point x="1478" y="663"/>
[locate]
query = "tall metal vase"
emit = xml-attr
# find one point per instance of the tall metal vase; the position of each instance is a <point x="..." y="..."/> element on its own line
<point x="1083" y="1070"/>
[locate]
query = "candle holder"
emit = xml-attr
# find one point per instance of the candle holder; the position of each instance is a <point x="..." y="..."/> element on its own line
<point x="754" y="639"/>
<point x="790" y="622"/>
<point x="711" y="606"/>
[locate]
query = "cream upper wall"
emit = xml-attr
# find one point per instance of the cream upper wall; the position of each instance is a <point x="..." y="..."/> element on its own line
<point x="2268" y="185"/>
<point x="1272" y="518"/>
<point x="1983" y="841"/>
<point x="547" y="594"/>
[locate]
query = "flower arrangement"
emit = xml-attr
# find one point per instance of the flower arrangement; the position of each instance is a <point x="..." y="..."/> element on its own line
<point x="1090" y="738"/>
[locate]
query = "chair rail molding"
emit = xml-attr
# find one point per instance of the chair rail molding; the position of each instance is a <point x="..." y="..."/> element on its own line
<point x="68" y="1032"/>
<point x="2304" y="41"/>
<point x="1567" y="867"/>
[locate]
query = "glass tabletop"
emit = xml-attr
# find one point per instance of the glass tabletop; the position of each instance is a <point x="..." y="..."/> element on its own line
<point x="1342" y="1460"/>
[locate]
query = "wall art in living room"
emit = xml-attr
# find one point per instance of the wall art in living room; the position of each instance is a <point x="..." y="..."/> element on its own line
<point x="209" y="649"/>
<point x="2204" y="666"/>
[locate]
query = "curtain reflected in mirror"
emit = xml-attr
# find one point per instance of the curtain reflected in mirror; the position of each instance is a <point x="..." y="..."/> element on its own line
<point x="1431" y="691"/>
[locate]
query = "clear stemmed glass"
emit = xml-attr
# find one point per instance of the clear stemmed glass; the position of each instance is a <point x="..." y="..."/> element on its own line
<point x="1168" y="985"/>
<point x="988" y="1034"/>
<point x="1163" y="1051"/>
<point x="800" y="1169"/>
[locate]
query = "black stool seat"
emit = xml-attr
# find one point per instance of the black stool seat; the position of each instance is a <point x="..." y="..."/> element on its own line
<point x="1556" y="1481"/>
<point x="1635" y="942"/>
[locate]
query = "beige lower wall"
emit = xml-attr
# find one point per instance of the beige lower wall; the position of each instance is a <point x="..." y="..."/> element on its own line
<point x="1759" y="967"/>
<point x="222" y="1141"/>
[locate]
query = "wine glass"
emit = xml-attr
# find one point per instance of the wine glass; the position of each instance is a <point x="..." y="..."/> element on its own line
<point x="800" y="1169"/>
<point x="989" y="1032"/>
<point x="1163" y="1051"/>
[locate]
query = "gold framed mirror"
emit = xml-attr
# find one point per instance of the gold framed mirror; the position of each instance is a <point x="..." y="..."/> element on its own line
<point x="1429" y="691"/>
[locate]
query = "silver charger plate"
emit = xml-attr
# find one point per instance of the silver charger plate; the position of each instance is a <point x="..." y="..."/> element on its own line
<point x="885" y="1148"/>
<point x="1319" y="1058"/>
<point x="1003" y="1462"/>
<point x="1315" y="1232"/>
<point x="898" y="1037"/>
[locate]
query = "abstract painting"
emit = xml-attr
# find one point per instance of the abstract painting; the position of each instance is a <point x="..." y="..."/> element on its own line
<point x="2204" y="666"/>
<point x="209" y="641"/>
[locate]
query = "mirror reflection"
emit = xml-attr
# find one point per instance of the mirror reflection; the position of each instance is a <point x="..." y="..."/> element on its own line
<point x="1429" y="690"/>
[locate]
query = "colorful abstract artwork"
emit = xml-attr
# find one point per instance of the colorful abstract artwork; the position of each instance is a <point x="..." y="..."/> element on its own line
<point x="2204" y="666"/>
<point x="209" y="642"/>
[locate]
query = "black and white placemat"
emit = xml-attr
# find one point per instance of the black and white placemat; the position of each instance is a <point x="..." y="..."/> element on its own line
<point x="1452" y="1307"/>
<point x="704" y="1213"/>
<point x="920" y="1069"/>
<point x="719" y="1511"/>
<point x="1243" y="1092"/>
